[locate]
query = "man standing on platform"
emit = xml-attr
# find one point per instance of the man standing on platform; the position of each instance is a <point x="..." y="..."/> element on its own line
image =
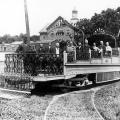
<point x="86" y="47"/>
<point x="49" y="49"/>
<point x="56" y="50"/>
<point x="86" y="50"/>
<point x="79" y="50"/>
<point x="58" y="60"/>
<point x="41" y="49"/>
<point x="102" y="48"/>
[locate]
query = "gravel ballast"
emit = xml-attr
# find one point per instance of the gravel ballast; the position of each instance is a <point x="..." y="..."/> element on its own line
<point x="94" y="104"/>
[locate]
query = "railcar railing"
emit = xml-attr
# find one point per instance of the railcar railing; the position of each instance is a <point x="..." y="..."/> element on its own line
<point x="16" y="82"/>
<point x="95" y="54"/>
<point x="115" y="52"/>
<point x="13" y="64"/>
<point x="34" y="64"/>
<point x="83" y="56"/>
<point x="90" y="56"/>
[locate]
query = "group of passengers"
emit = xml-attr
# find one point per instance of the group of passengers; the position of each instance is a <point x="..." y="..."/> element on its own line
<point x="49" y="58"/>
<point x="95" y="51"/>
<point x="106" y="50"/>
<point x="81" y="50"/>
<point x="50" y="49"/>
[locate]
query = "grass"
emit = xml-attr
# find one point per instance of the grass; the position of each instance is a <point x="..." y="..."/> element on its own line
<point x="107" y="101"/>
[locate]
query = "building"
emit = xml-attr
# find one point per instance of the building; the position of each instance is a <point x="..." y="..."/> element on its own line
<point x="59" y="30"/>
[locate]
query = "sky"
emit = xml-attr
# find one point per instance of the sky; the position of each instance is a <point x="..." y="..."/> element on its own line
<point x="42" y="12"/>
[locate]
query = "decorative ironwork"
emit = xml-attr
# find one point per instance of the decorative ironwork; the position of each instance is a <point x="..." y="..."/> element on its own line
<point x="115" y="52"/>
<point x="83" y="56"/>
<point x="71" y="56"/>
<point x="95" y="54"/>
<point x="16" y="82"/>
<point x="14" y="63"/>
<point x="99" y="31"/>
<point x="34" y="64"/>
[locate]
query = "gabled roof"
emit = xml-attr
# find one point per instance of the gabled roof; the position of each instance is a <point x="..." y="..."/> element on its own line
<point x="45" y="28"/>
<point x="65" y="21"/>
<point x="50" y="25"/>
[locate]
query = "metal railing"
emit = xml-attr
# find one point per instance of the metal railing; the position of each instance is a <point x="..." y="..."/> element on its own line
<point x="115" y="52"/>
<point x="16" y="82"/>
<point x="83" y="56"/>
<point x="34" y="64"/>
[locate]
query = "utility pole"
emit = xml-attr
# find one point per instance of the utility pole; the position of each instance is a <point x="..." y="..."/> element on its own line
<point x="27" y="22"/>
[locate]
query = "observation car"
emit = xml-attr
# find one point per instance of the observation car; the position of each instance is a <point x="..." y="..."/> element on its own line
<point x="43" y="70"/>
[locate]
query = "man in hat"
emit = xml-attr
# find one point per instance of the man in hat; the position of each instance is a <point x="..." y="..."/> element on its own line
<point x="79" y="50"/>
<point x="41" y="49"/>
<point x="86" y="50"/>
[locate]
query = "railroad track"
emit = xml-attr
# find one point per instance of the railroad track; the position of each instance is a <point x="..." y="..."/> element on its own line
<point x="54" y="93"/>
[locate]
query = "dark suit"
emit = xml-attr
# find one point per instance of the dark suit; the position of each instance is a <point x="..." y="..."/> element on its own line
<point x="86" y="48"/>
<point x="79" y="50"/>
<point x="86" y="55"/>
<point x="41" y="50"/>
<point x="49" y="50"/>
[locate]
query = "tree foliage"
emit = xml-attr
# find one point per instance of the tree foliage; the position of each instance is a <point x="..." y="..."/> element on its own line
<point x="22" y="37"/>
<point x="108" y="20"/>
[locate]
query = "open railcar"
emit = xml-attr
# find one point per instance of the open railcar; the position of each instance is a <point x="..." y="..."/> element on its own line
<point x="70" y="70"/>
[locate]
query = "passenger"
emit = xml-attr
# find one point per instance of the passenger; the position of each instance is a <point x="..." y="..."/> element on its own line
<point x="56" y="50"/>
<point x="102" y="49"/>
<point x="86" y="47"/>
<point x="95" y="48"/>
<point x="49" y="49"/>
<point x="108" y="49"/>
<point x="79" y="50"/>
<point x="70" y="47"/>
<point x="58" y="59"/>
<point x="41" y="49"/>
<point x="71" y="51"/>
<point x="95" y="51"/>
<point x="86" y="51"/>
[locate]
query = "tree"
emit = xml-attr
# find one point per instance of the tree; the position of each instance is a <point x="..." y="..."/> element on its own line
<point x="83" y="30"/>
<point x="34" y="38"/>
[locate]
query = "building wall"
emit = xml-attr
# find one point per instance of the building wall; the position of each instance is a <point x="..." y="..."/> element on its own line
<point x="43" y="36"/>
<point x="58" y="33"/>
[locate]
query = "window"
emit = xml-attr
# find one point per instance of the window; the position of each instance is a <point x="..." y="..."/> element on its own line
<point x="52" y="34"/>
<point x="43" y="37"/>
<point x="60" y="32"/>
